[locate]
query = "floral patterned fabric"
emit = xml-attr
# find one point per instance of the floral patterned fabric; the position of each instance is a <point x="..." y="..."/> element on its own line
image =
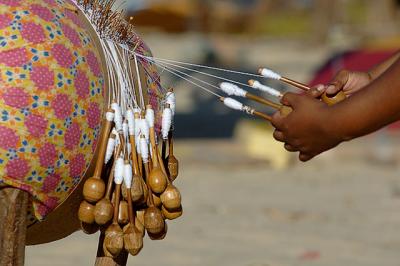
<point x="51" y="100"/>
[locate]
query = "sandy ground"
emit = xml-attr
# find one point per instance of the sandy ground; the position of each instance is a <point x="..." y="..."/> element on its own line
<point x="332" y="211"/>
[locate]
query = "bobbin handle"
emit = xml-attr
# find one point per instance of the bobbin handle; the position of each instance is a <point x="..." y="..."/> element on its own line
<point x="103" y="146"/>
<point x="262" y="100"/>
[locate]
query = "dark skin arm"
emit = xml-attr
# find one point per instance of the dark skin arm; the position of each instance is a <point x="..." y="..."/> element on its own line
<point x="314" y="127"/>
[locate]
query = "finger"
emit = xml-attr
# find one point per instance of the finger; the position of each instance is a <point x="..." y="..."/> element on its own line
<point x="278" y="135"/>
<point x="290" y="148"/>
<point x="278" y="120"/>
<point x="316" y="91"/>
<point x="338" y="82"/>
<point x="305" y="157"/>
<point x="291" y="99"/>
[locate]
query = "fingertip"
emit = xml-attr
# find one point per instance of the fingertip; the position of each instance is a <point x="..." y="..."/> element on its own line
<point x="278" y="136"/>
<point x="304" y="157"/>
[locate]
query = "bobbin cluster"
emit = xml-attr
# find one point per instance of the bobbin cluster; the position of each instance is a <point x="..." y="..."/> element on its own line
<point x="131" y="191"/>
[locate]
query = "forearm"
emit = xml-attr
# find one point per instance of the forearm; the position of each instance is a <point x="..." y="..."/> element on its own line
<point x="379" y="69"/>
<point x="377" y="105"/>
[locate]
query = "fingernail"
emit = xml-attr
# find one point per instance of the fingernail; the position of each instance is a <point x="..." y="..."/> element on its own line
<point x="320" y="88"/>
<point x="330" y="89"/>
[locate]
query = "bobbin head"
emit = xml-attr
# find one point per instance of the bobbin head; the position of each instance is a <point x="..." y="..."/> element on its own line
<point x="113" y="241"/>
<point x="86" y="212"/>
<point x="171" y="198"/>
<point x="103" y="212"/>
<point x="93" y="189"/>
<point x="157" y="180"/>
<point x="161" y="235"/>
<point x="153" y="220"/>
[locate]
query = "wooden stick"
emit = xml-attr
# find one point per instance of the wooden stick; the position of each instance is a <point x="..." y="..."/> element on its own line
<point x="262" y="115"/>
<point x="295" y="83"/>
<point x="13" y="210"/>
<point x="263" y="101"/>
<point x="103" y="146"/>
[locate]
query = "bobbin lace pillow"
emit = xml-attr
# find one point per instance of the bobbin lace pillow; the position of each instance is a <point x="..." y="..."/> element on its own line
<point x="51" y="100"/>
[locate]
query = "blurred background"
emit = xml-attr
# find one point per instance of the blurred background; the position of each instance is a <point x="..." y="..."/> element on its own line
<point x="246" y="200"/>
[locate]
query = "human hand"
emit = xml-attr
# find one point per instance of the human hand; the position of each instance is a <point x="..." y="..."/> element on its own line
<point x="348" y="81"/>
<point x="307" y="128"/>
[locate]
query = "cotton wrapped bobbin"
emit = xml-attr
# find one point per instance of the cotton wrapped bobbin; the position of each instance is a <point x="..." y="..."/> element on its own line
<point x="94" y="187"/>
<point x="166" y="122"/>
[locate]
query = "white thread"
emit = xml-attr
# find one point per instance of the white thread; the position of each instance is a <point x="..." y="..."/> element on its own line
<point x="117" y="116"/>
<point x="268" y="73"/>
<point x="171" y="100"/>
<point x="175" y="72"/>
<point x="129" y="147"/>
<point x="110" y="116"/>
<point x="204" y="73"/>
<point x="196" y="65"/>
<point x="144" y="149"/>
<point x="131" y="122"/>
<point x="137" y="144"/>
<point x="232" y="89"/>
<point x="150" y="117"/>
<point x="128" y="175"/>
<point x="233" y="104"/>
<point x="166" y="122"/>
<point x="139" y="82"/>
<point x="119" y="171"/>
<point x="110" y="149"/>
<point x="144" y="129"/>
<point x="269" y="90"/>
<point x="125" y="129"/>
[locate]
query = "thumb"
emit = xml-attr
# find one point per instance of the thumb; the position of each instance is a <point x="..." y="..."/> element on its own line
<point x="290" y="99"/>
<point x="338" y="82"/>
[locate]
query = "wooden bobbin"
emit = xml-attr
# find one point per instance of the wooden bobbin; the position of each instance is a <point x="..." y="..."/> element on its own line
<point x="133" y="237"/>
<point x="94" y="187"/>
<point x="86" y="212"/>
<point x="171" y="197"/>
<point x="138" y="186"/>
<point x="161" y="235"/>
<point x="113" y="239"/>
<point x="172" y="162"/>
<point x="157" y="180"/>
<point x="104" y="210"/>
<point x="153" y="218"/>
